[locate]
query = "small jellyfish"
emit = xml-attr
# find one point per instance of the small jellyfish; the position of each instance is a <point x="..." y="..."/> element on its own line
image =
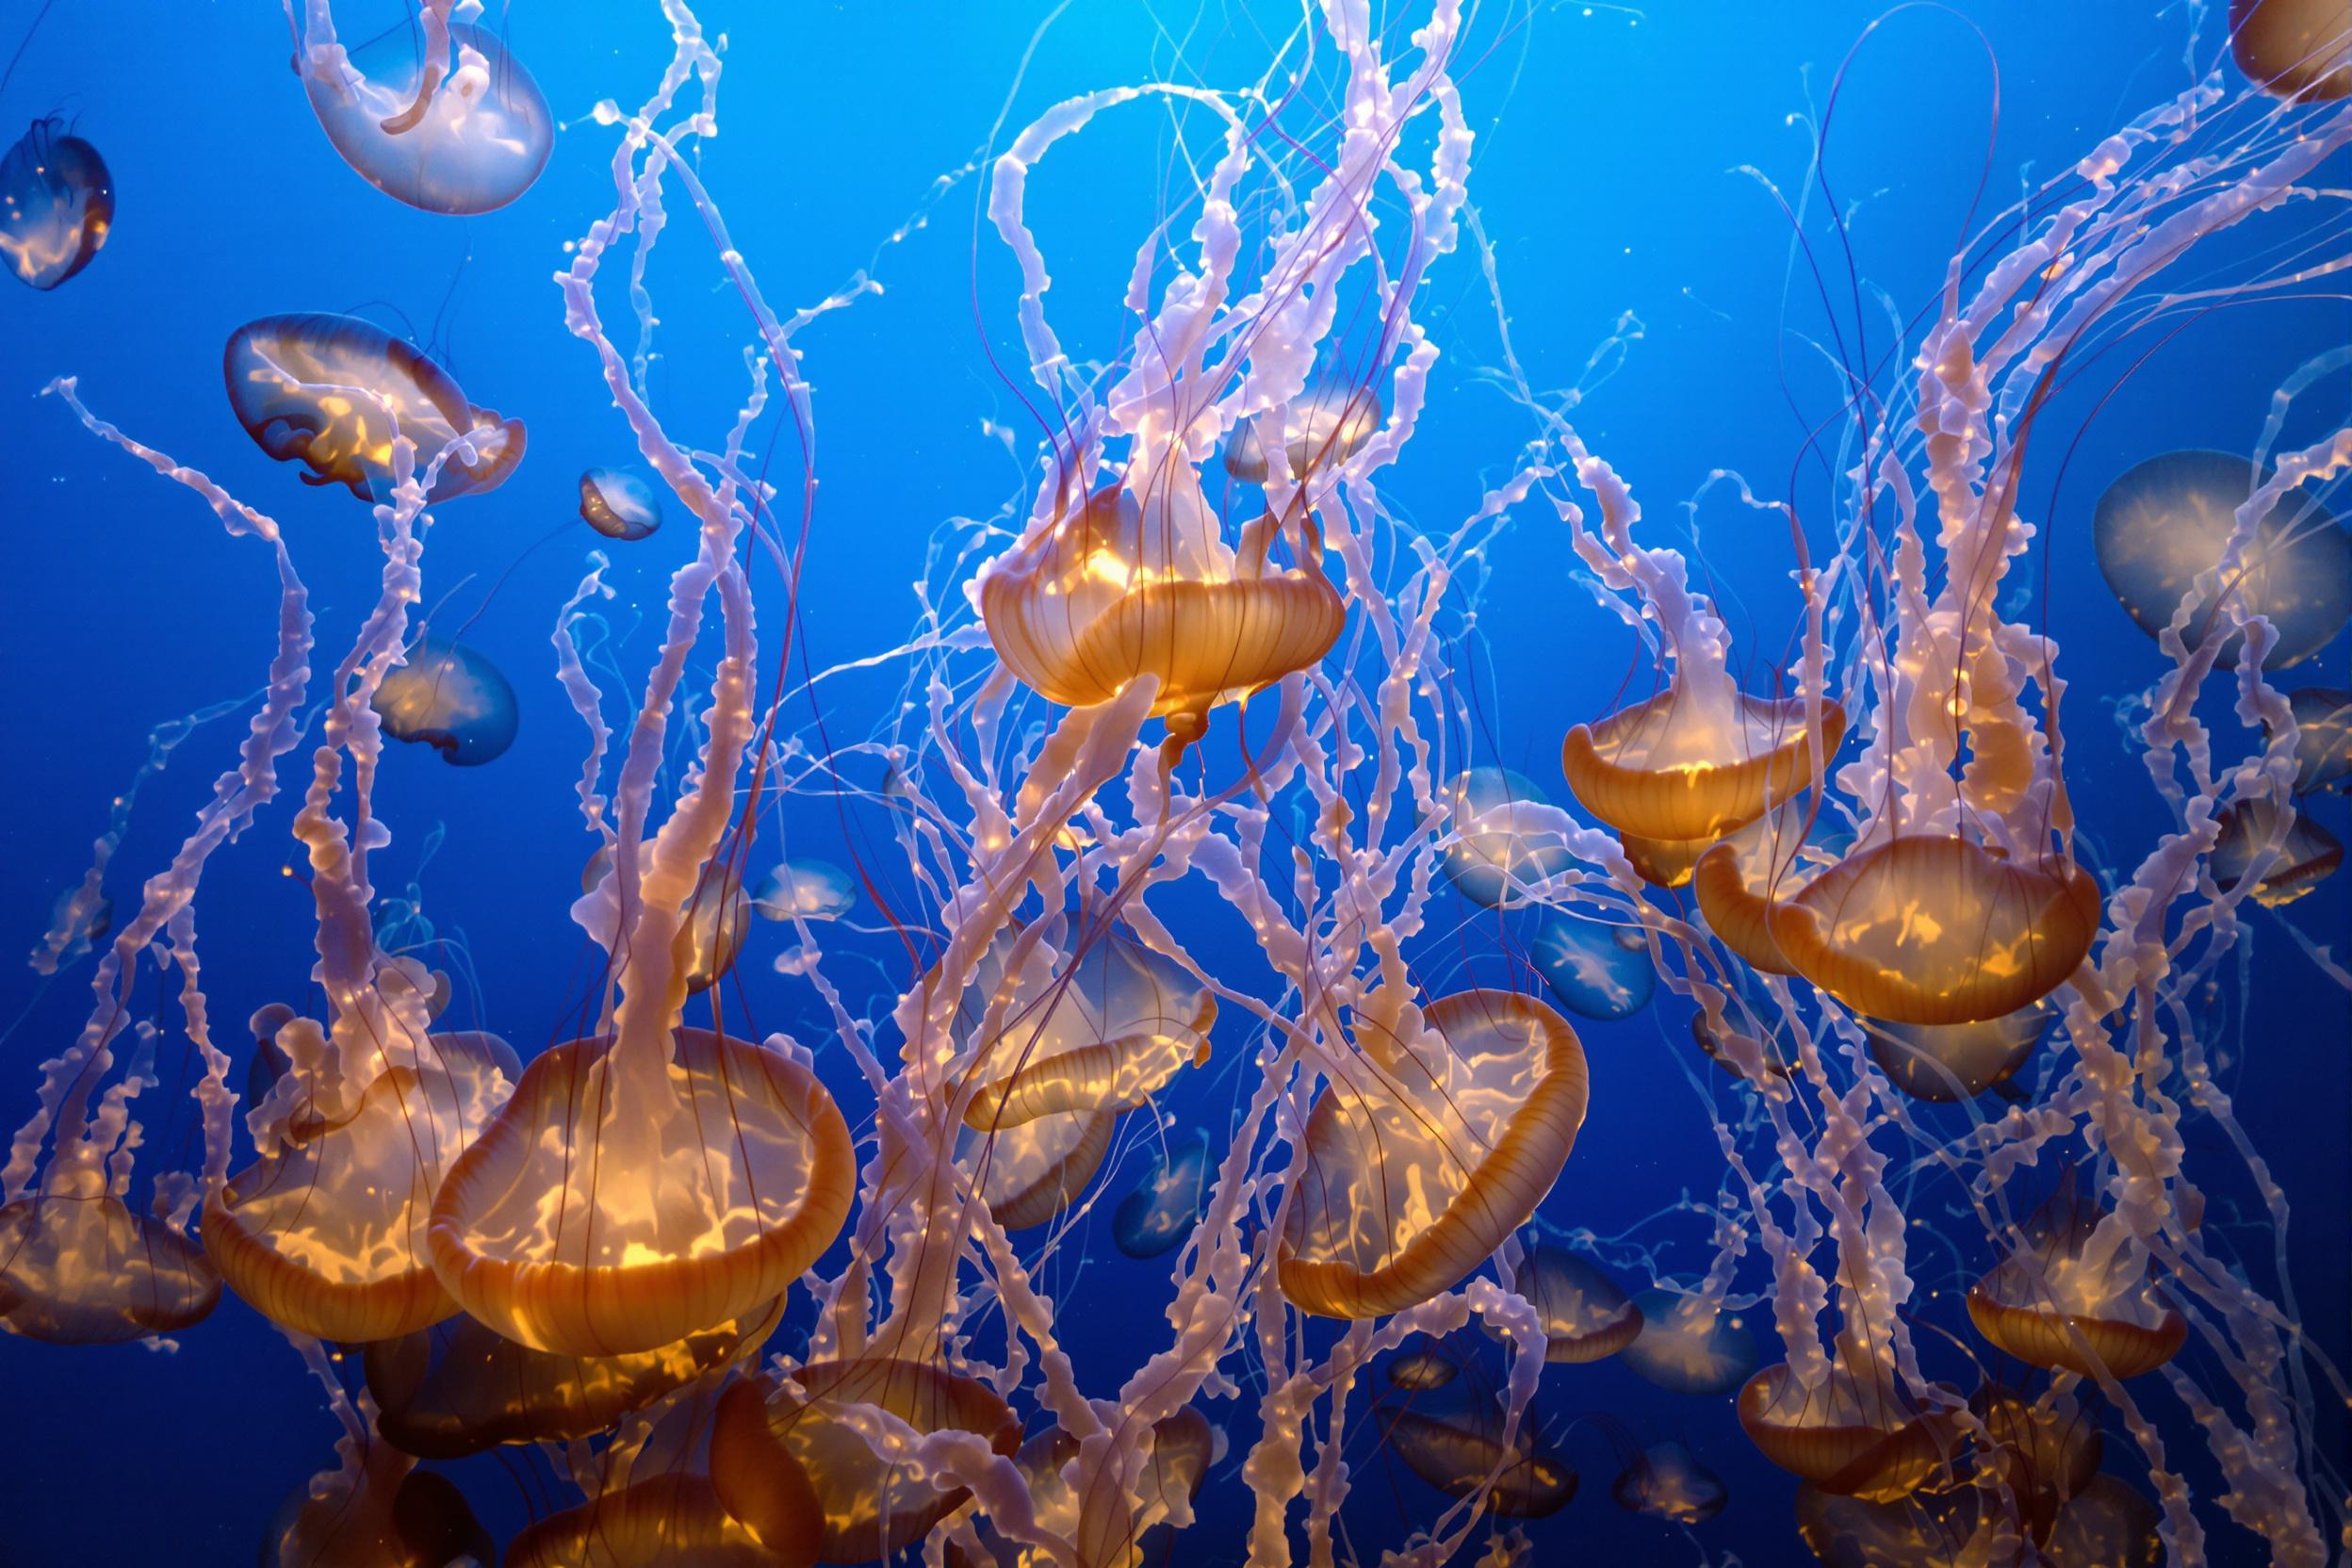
<point x="2069" y="1298"/>
<point x="2308" y="852"/>
<point x="1328" y="425"/>
<point x="2169" y="519"/>
<point x="1166" y="1206"/>
<point x="1453" y="1439"/>
<point x="449" y="697"/>
<point x="2298" y="49"/>
<point x="2323" y="737"/>
<point x="1585" y="1313"/>
<point x="332" y="391"/>
<point x="1949" y="1062"/>
<point x="809" y="889"/>
<point x="719" y="918"/>
<point x="56" y="203"/>
<point x="1667" y="1481"/>
<point x="2045" y="1449"/>
<point x="619" y="503"/>
<point x="1418" y="1371"/>
<point x="1689" y="1346"/>
<point x="1589" y="972"/>
<point x="451" y="124"/>
<point x="1491" y="861"/>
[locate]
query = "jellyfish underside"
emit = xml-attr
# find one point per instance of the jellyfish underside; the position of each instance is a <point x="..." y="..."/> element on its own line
<point x="804" y="889"/>
<point x="670" y="1521"/>
<point x="2060" y="1293"/>
<point x="467" y="145"/>
<point x="1946" y="1063"/>
<point x="619" y="504"/>
<point x="1329" y="423"/>
<point x="2046" y="1450"/>
<point x="1668" y="1482"/>
<point x="2107" y="1524"/>
<point x="1679" y="767"/>
<point x="78" y="1267"/>
<point x="1852" y="1429"/>
<point x="2307" y="853"/>
<point x="451" y="698"/>
<point x="56" y="204"/>
<point x="2323" y="742"/>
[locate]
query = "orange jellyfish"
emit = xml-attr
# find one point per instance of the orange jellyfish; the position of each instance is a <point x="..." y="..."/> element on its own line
<point x="1329" y="423"/>
<point x="2307" y="853"/>
<point x="1695" y="762"/>
<point x="1689" y="1345"/>
<point x="325" y="1232"/>
<point x="332" y="391"/>
<point x="1453" y="1439"/>
<point x="1587" y="1316"/>
<point x="437" y="115"/>
<point x="377" y="1511"/>
<point x="1950" y="1062"/>
<point x="1851" y="1427"/>
<point x="78" y="1267"/>
<point x="1737" y="880"/>
<point x="1031" y="1172"/>
<point x="666" y="1521"/>
<point x="2045" y="1449"/>
<point x="56" y="204"/>
<point x="1667" y="1481"/>
<point x="2073" y="1273"/>
<point x="716" y="921"/>
<point x="1433" y="1145"/>
<point x="2299" y="49"/>
<point x="793" y="1463"/>
<point x="451" y="698"/>
<point x="2323" y="739"/>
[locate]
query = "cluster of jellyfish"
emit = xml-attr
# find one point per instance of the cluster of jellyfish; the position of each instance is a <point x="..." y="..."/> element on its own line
<point x="1864" y="881"/>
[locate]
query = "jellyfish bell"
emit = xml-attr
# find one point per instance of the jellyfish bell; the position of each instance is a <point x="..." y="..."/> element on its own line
<point x="718" y="918"/>
<point x="1695" y="762"/>
<point x="1667" y="1481"/>
<point x="2170" y="517"/>
<point x="619" y="503"/>
<point x="1454" y="1440"/>
<point x="2323" y="739"/>
<point x="1688" y="1344"/>
<point x="1031" y="1172"/>
<point x="377" y="1511"/>
<point x="56" y="204"/>
<point x="1327" y="425"/>
<point x="1849" y="1425"/>
<point x="1586" y="1316"/>
<point x="1931" y="930"/>
<point x="1737" y="878"/>
<point x="1954" y="1528"/>
<point x="2069" y="1282"/>
<point x="332" y="391"/>
<point x="2296" y="49"/>
<point x="787" y="1459"/>
<point x="2046" y="1450"/>
<point x="1165" y="1204"/>
<point x="804" y="889"/>
<point x="2106" y="1525"/>
<point x="77" y="1266"/>
<point x="450" y="697"/>
<point x="2307" y="856"/>
<point x="1949" y="1062"/>
<point x="462" y="136"/>
<point x="1492" y="861"/>
<point x="1664" y="862"/>
<point x="1418" y="1371"/>
<point x="1414" y="1170"/>
<point x="666" y="1521"/>
<point x="1589" y="972"/>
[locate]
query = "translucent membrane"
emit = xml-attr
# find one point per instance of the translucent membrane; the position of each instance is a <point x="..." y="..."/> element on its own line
<point x="78" y="1267"/>
<point x="667" y="1522"/>
<point x="1949" y="1062"/>
<point x="56" y="204"/>
<point x="449" y="697"/>
<point x="1668" y="1482"/>
<point x="1937" y="930"/>
<point x="2063" y="1279"/>
<point x="458" y="1388"/>
<point x="1664" y="769"/>
<point x="717" y="919"/>
<point x="1688" y="1346"/>
<point x="1418" y="1371"/>
<point x="596" y="1223"/>
<point x="2307" y="856"/>
<point x="619" y="503"/>
<point x="1854" y="1429"/>
<point x="805" y="890"/>
<point x="1165" y="1204"/>
<point x="1031" y="1172"/>
<point x="2293" y="48"/>
<point x="325" y="1233"/>
<point x="1123" y="587"/>
<point x="2169" y="519"/>
<point x="1492" y="861"/>
<point x="1430" y="1152"/>
<point x="2045" y="1449"/>
<point x="385" y="1514"/>
<point x="1111" y="1528"/>
<point x="1453" y="1439"/>
<point x="789" y="1465"/>
<point x="2322" y="740"/>
<point x="482" y="137"/>
<point x="2108" y="1526"/>
<point x="1329" y="423"/>
<point x="1737" y="880"/>
<point x="1593" y="969"/>
<point x="316" y="389"/>
<point x="1586" y="1314"/>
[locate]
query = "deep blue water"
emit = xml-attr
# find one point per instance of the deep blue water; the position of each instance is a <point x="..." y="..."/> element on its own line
<point x="1607" y="176"/>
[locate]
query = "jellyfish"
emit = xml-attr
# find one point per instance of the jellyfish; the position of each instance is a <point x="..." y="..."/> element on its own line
<point x="2308" y="852"/>
<point x="2298" y="49"/>
<point x="619" y="503"/>
<point x="434" y="114"/>
<point x="2107" y="1524"/>
<point x="1586" y="1314"/>
<point x="56" y="203"/>
<point x="1689" y="1345"/>
<point x="1667" y="1481"/>
<point x="1165" y="1204"/>
<point x="1110" y="1529"/>
<point x="377" y="1511"/>
<point x="451" y="698"/>
<point x="331" y="392"/>
<point x="2045" y="1449"/>
<point x="1950" y="1062"/>
<point x="1698" y="760"/>
<point x="666" y="1521"/>
<point x="1417" y="1167"/>
<point x="1453" y="1439"/>
<point x="1847" y="1423"/>
<point x="1326" y="426"/>
<point x="804" y="889"/>
<point x="2322" y="740"/>
<point x="790" y="1459"/>
<point x="77" y="1266"/>
<point x="1588" y="970"/>
<point x="1418" y="1371"/>
<point x="1492" y="861"/>
<point x="1031" y="1172"/>
<point x="2074" y="1294"/>
<point x="2169" y="520"/>
<point x="717" y="919"/>
<point x="1737" y="878"/>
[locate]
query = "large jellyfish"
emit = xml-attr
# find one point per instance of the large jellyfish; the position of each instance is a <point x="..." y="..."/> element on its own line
<point x="2299" y="49"/>
<point x="451" y="698"/>
<point x="2074" y="1294"/>
<point x="56" y="203"/>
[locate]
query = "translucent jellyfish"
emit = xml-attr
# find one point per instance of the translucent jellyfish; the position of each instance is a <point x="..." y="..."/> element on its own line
<point x="2107" y="1525"/>
<point x="451" y="698"/>
<point x="1938" y="930"/>
<point x="433" y="114"/>
<point x="718" y="918"/>
<point x="1416" y="1167"/>
<point x="1950" y="1062"/>
<point x="378" y="1510"/>
<point x="1667" y="1481"/>
<point x="619" y="503"/>
<point x="1110" y="1529"/>
<point x="1591" y="968"/>
<point x="2322" y="740"/>
<point x="327" y="391"/>
<point x="1492" y="861"/>
<point x="2045" y="1449"/>
<point x="1848" y="1424"/>
<point x="78" y="1267"/>
<point x="805" y="890"/>
<point x="1031" y="1172"/>
<point x="796" y="1466"/>
<point x="1165" y="1204"/>
<point x="2299" y="49"/>
<point x="1453" y="1439"/>
<point x="1327" y="425"/>
<point x="2169" y="519"/>
<point x="56" y="203"/>
<point x="1586" y="1314"/>
<point x="325" y="1232"/>
<point x="1696" y="760"/>
<point x="2074" y="1294"/>
<point x="1418" y="1371"/>
<point x="1737" y="879"/>
<point x="2307" y="855"/>
<point x="666" y="1521"/>
<point x="458" y="1388"/>
<point x="1688" y="1344"/>
<point x="593" y="1256"/>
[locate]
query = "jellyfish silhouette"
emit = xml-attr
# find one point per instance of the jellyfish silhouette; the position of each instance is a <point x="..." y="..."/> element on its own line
<point x="377" y="1511"/>
<point x="2045" y="1449"/>
<point x="333" y="391"/>
<point x="1165" y="1204"/>
<point x="666" y="1521"/>
<point x="1586" y="1314"/>
<point x="2299" y="49"/>
<point x="1492" y="861"/>
<point x="2107" y="1524"/>
<point x="1689" y="1346"/>
<point x="805" y="890"/>
<point x="1418" y="1371"/>
<point x="56" y="203"/>
<point x="1588" y="970"/>
<point x="450" y="697"/>
<point x="2070" y="1298"/>
<point x="2322" y="740"/>
<point x="1848" y="1423"/>
<point x="2307" y="853"/>
<point x="717" y="919"/>
<point x="1328" y="424"/>
<point x="1950" y="1062"/>
<point x="1453" y="1439"/>
<point x="78" y="1267"/>
<point x="2169" y="519"/>
<point x="619" y="503"/>
<point x="1667" y="1481"/>
<point x="433" y="114"/>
